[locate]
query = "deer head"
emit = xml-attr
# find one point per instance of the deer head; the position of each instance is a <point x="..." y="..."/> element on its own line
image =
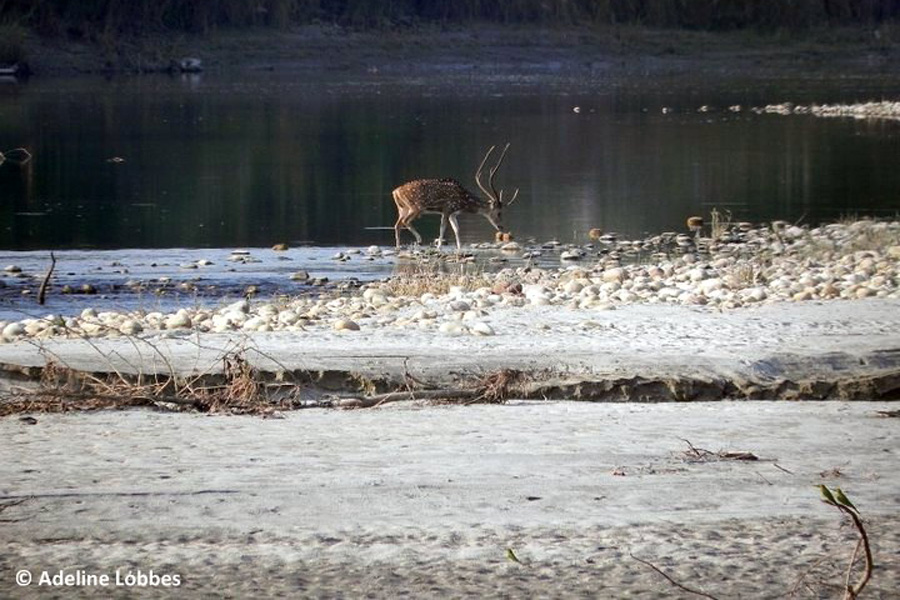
<point x="495" y="198"/>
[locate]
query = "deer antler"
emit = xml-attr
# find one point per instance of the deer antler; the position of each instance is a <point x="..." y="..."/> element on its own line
<point x="493" y="194"/>
<point x="480" y="169"/>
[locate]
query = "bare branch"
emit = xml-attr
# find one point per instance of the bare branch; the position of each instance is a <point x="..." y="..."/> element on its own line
<point x="42" y="292"/>
<point x="853" y="591"/>
<point x="672" y="581"/>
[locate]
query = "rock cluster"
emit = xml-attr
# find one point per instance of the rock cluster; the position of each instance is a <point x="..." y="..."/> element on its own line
<point x="863" y="110"/>
<point x="741" y="266"/>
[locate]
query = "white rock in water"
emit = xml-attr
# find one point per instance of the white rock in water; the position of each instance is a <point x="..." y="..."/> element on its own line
<point x="424" y="315"/>
<point x="373" y="251"/>
<point x="241" y="306"/>
<point x="109" y="317"/>
<point x="510" y="247"/>
<point x="93" y="328"/>
<point x="707" y="286"/>
<point x="35" y="326"/>
<point x="254" y="323"/>
<point x="573" y="287"/>
<point x="13" y="330"/>
<point x="625" y="296"/>
<point x="131" y="327"/>
<point x="793" y="232"/>
<point x="460" y="306"/>
<point x="574" y="254"/>
<point x="610" y="286"/>
<point x="345" y="325"/>
<point x="756" y="294"/>
<point x="481" y="328"/>
<point x="452" y="328"/>
<point x="698" y="274"/>
<point x="267" y="310"/>
<point x="180" y="320"/>
<point x="614" y="274"/>
<point x="89" y="313"/>
<point x="288" y="317"/>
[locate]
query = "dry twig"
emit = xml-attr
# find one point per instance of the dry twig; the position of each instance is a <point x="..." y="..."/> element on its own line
<point x="42" y="292"/>
<point x="672" y="581"/>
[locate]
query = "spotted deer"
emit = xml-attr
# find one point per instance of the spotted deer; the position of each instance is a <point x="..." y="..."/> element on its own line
<point x="449" y="198"/>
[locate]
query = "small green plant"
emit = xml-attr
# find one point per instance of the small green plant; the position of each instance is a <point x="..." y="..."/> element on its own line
<point x="838" y="499"/>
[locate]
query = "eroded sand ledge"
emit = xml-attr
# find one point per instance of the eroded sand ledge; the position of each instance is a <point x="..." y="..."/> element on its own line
<point x="811" y="350"/>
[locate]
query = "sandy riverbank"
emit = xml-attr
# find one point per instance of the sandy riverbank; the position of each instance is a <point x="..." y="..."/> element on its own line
<point x="785" y="312"/>
<point x="487" y="52"/>
<point x="425" y="501"/>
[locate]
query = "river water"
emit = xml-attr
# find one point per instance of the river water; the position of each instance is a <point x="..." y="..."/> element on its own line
<point x="209" y="162"/>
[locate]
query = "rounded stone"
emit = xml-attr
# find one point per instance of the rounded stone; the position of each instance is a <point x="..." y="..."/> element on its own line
<point x="345" y="325"/>
<point x="180" y="320"/>
<point x="481" y="328"/>
<point x="460" y="306"/>
<point x="452" y="328"/>
<point x="131" y="327"/>
<point x="573" y="287"/>
<point x="13" y="330"/>
<point x="616" y="274"/>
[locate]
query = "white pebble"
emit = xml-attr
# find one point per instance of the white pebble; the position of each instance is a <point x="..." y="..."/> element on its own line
<point x="131" y="327"/>
<point x="452" y="328"/>
<point x="345" y="325"/>
<point x="481" y="328"/>
<point x="13" y="330"/>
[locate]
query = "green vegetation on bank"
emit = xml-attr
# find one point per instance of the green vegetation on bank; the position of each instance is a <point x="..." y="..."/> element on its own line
<point x="96" y="18"/>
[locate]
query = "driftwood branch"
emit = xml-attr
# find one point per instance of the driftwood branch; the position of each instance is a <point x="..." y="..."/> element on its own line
<point x="42" y="293"/>
<point x="401" y="396"/>
<point x="672" y="581"/>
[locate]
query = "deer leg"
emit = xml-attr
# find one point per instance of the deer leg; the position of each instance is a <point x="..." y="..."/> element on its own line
<point x="455" y="226"/>
<point x="415" y="233"/>
<point x="440" y="239"/>
<point x="401" y="213"/>
<point x="397" y="226"/>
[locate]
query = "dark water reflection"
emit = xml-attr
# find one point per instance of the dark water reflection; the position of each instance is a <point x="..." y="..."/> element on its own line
<point x="221" y="164"/>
